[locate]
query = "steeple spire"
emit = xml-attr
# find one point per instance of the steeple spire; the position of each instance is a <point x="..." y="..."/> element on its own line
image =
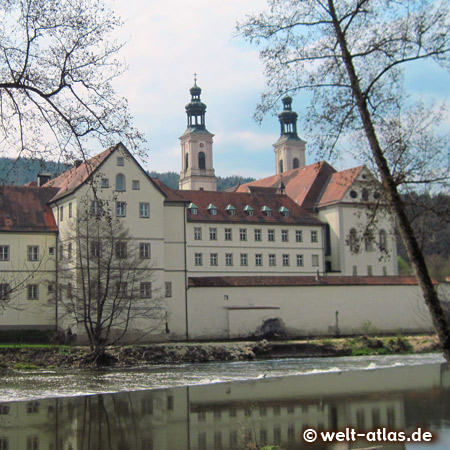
<point x="288" y="119"/>
<point x="196" y="110"/>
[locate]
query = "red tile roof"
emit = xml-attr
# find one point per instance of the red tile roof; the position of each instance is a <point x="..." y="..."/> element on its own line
<point x="172" y="195"/>
<point x="337" y="186"/>
<point x="304" y="185"/>
<point x="71" y="180"/>
<point x="252" y="281"/>
<point x="25" y="208"/>
<point x="297" y="214"/>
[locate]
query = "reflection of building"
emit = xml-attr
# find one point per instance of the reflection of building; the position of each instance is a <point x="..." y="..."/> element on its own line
<point x="229" y="415"/>
<point x="276" y="255"/>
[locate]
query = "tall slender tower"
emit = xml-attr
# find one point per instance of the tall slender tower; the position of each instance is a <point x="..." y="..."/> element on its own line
<point x="197" y="171"/>
<point x="289" y="149"/>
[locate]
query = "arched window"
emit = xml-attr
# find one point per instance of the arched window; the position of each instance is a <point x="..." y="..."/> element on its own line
<point x="202" y="161"/>
<point x="383" y="240"/>
<point x="186" y="161"/>
<point x="353" y="241"/>
<point x="368" y="241"/>
<point x="120" y="182"/>
<point x="281" y="166"/>
<point x="295" y="163"/>
<point x="365" y="194"/>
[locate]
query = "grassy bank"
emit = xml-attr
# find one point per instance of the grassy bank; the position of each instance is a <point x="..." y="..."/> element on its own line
<point x="32" y="356"/>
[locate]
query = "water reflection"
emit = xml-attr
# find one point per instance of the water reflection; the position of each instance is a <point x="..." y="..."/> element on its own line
<point x="229" y="415"/>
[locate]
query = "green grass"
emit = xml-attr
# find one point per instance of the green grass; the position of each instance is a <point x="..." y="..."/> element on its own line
<point x="28" y="346"/>
<point x="25" y="366"/>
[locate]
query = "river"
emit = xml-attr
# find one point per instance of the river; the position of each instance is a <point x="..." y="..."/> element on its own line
<point x="229" y="405"/>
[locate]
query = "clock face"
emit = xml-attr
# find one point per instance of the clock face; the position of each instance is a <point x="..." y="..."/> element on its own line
<point x="202" y="144"/>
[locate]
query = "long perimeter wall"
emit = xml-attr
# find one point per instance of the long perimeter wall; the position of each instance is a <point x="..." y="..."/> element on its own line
<point x="224" y="312"/>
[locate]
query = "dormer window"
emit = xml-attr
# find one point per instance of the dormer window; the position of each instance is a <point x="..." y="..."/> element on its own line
<point x="231" y="210"/>
<point x="266" y="211"/>
<point x="193" y="208"/>
<point x="284" y="211"/>
<point x="248" y="210"/>
<point x="212" y="209"/>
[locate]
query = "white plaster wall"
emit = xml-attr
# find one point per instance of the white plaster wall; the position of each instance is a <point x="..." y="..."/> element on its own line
<point x="306" y="311"/>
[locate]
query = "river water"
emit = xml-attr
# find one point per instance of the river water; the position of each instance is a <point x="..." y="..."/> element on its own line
<point x="230" y="405"/>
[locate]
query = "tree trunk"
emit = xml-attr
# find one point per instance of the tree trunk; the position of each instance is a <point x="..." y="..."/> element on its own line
<point x="390" y="189"/>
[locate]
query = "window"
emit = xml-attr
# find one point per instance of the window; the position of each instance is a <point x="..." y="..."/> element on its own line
<point x="105" y="183"/>
<point x="121" y="250"/>
<point x="368" y="241"/>
<point x="4" y="409"/>
<point x="272" y="260"/>
<point x="70" y="210"/>
<point x="32" y="292"/>
<point x="285" y="260"/>
<point x="315" y="260"/>
<point x="120" y="182"/>
<point x="383" y="240"/>
<point x="298" y="236"/>
<point x="4" y="443"/>
<point x="50" y="289"/>
<point x="258" y="259"/>
<point x="61" y="213"/>
<point x="201" y="161"/>
<point x="212" y="209"/>
<point x="95" y="249"/>
<point x="4" y="252"/>
<point x="213" y="259"/>
<point x="353" y="241"/>
<point x="266" y="211"/>
<point x="193" y="208"/>
<point x="168" y="290"/>
<point x="284" y="211"/>
<point x="197" y="234"/>
<point x="285" y="235"/>
<point x="228" y="259"/>
<point x="135" y="185"/>
<point x="248" y="210"/>
<point x="369" y="271"/>
<point x="213" y="234"/>
<point x="244" y="259"/>
<point x="121" y="209"/>
<point x="32" y="442"/>
<point x="146" y="290"/>
<point x="122" y="288"/>
<point x="69" y="250"/>
<point x="271" y="235"/>
<point x="33" y="253"/>
<point x="258" y="235"/>
<point x="365" y="194"/>
<point x="95" y="207"/>
<point x="199" y="259"/>
<point x="32" y="407"/>
<point x="61" y="252"/>
<point x="144" y="210"/>
<point x="231" y="210"/>
<point x="5" y="290"/>
<point x="355" y="270"/>
<point x="299" y="260"/>
<point x="242" y="234"/>
<point x="313" y="236"/>
<point x="120" y="161"/>
<point x="51" y="251"/>
<point x="295" y="163"/>
<point x="228" y="235"/>
<point x="144" y="250"/>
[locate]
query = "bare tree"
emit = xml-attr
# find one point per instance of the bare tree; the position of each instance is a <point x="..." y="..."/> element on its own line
<point x="106" y="282"/>
<point x="57" y="64"/>
<point x="350" y="54"/>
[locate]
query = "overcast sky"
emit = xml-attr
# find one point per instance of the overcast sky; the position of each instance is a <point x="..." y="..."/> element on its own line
<point x="169" y="40"/>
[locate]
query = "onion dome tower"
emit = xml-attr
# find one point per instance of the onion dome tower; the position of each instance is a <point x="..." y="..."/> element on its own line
<point x="289" y="149"/>
<point x="197" y="172"/>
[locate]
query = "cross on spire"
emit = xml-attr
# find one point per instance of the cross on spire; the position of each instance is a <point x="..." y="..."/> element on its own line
<point x="195" y="78"/>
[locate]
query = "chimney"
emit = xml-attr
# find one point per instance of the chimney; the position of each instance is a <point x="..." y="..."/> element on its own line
<point x="77" y="163"/>
<point x="43" y="178"/>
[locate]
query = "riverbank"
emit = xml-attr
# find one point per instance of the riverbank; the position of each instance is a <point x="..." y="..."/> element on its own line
<point x="25" y="357"/>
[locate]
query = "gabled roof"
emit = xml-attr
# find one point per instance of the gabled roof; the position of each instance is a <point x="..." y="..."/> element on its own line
<point x="240" y="200"/>
<point x="304" y="185"/>
<point x="68" y="182"/>
<point x="25" y="208"/>
<point x="338" y="185"/>
<point x="172" y="195"/>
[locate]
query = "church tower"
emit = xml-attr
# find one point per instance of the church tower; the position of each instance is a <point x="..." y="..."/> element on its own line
<point x="197" y="171"/>
<point x="289" y="149"/>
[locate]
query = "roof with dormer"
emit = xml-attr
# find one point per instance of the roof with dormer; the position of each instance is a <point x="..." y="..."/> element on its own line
<point x="260" y="201"/>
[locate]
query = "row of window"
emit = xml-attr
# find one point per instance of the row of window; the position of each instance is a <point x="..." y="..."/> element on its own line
<point x="145" y="290"/>
<point x="259" y="259"/>
<point x="32" y="252"/>
<point x="354" y="241"/>
<point x="121" y="209"/>
<point x="120" y="250"/>
<point x="228" y="235"/>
